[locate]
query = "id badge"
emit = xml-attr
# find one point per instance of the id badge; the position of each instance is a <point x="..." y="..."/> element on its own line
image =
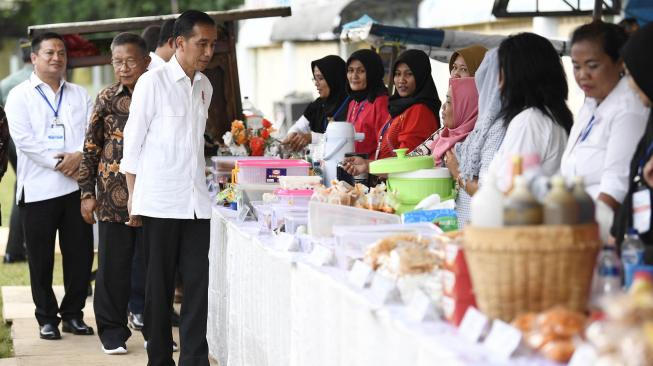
<point x="642" y="210"/>
<point x="56" y="137"/>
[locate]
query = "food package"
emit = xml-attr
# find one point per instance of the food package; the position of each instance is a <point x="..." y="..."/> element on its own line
<point x="446" y="219"/>
<point x="358" y="195"/>
<point x="402" y="254"/>
<point x="456" y="284"/>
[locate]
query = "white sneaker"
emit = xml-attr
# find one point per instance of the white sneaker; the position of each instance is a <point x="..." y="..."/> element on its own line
<point x="115" y="351"/>
<point x="175" y="348"/>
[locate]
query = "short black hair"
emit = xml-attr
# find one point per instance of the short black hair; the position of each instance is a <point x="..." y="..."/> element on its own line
<point x="130" y="38"/>
<point x="36" y="41"/>
<point x="187" y="20"/>
<point x="610" y="36"/>
<point x="628" y="22"/>
<point x="151" y="36"/>
<point x="533" y="76"/>
<point x="166" y="32"/>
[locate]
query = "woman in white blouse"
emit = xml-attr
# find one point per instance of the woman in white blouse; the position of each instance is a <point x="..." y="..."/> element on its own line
<point x="533" y="105"/>
<point x="612" y="119"/>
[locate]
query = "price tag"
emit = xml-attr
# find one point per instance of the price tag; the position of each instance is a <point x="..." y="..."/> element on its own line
<point x="584" y="355"/>
<point x="321" y="256"/>
<point x="503" y="339"/>
<point x="384" y="290"/>
<point x="360" y="274"/>
<point x="420" y="307"/>
<point x="473" y="325"/>
<point x="243" y="210"/>
<point x="287" y="242"/>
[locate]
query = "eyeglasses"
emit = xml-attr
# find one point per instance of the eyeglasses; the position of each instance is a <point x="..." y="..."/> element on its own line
<point x="118" y="64"/>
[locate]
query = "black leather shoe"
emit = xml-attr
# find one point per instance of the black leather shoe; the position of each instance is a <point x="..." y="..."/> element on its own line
<point x="49" y="332"/>
<point x="14" y="258"/>
<point x="77" y="327"/>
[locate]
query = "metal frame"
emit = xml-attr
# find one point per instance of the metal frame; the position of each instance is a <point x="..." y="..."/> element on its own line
<point x="500" y="9"/>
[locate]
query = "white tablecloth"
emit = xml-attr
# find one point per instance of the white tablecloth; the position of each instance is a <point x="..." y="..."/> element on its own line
<point x="271" y="308"/>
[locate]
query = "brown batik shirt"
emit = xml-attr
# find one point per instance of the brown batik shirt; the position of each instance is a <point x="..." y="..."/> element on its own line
<point x="102" y="154"/>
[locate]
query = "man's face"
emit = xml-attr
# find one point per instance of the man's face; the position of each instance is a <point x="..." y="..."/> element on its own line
<point x="197" y="50"/>
<point x="129" y="63"/>
<point x="50" y="59"/>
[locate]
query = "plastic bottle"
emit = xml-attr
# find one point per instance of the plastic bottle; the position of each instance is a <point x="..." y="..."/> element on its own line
<point x="608" y="274"/>
<point x="586" y="208"/>
<point x="560" y="207"/>
<point x="632" y="255"/>
<point x="253" y="117"/>
<point x="517" y="170"/>
<point x="487" y="204"/>
<point x="520" y="207"/>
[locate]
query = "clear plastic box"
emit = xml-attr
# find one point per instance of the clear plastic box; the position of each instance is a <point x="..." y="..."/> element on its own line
<point x="294" y="197"/>
<point x="293" y="221"/>
<point x="269" y="171"/>
<point x="322" y="217"/>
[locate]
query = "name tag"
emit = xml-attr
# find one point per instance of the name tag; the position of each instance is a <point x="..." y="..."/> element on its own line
<point x="56" y="137"/>
<point x="642" y="210"/>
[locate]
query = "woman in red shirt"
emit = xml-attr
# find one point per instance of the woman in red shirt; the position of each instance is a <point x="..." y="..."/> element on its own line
<point x="368" y="109"/>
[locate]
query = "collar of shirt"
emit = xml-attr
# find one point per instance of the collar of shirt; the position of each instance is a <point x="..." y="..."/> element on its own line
<point x="178" y="73"/>
<point x="122" y="89"/>
<point x="36" y="81"/>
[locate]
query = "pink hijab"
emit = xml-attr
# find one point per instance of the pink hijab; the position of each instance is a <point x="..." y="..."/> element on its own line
<point x="464" y="101"/>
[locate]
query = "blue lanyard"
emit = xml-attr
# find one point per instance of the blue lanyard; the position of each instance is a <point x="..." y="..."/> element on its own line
<point x="337" y="111"/>
<point x="358" y="113"/>
<point x="587" y="130"/>
<point x="642" y="161"/>
<point x="383" y="131"/>
<point x="55" y="111"/>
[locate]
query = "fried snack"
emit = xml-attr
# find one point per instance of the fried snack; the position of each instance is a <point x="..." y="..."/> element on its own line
<point x="561" y="322"/>
<point x="525" y="322"/>
<point x="559" y="351"/>
<point x="379" y="252"/>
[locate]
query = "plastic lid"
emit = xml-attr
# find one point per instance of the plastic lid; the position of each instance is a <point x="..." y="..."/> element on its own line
<point x="401" y="163"/>
<point x="274" y="163"/>
<point x="293" y="192"/>
<point x="432" y="173"/>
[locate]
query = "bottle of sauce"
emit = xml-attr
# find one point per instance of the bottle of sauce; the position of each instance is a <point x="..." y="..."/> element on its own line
<point x="586" y="209"/>
<point x="487" y="204"/>
<point x="520" y="207"/>
<point x="560" y="207"/>
<point x="517" y="170"/>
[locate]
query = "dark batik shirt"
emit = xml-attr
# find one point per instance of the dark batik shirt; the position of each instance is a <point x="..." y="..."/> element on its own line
<point x="100" y="167"/>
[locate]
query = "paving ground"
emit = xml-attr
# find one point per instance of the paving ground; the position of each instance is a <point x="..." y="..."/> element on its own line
<point x="71" y="350"/>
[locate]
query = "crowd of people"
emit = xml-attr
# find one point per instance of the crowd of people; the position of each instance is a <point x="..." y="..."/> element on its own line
<point x="133" y="159"/>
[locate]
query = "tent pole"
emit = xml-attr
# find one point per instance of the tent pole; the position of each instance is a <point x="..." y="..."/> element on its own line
<point x="598" y="10"/>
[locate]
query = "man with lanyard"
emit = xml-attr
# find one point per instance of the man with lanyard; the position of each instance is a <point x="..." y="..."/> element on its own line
<point x="163" y="161"/>
<point x="47" y="120"/>
<point x="99" y="173"/>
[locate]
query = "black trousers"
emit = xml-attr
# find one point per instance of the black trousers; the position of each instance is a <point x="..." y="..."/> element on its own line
<point x="43" y="219"/>
<point x="117" y="244"/>
<point x="137" y="296"/>
<point x="171" y="245"/>
<point x="16" y="239"/>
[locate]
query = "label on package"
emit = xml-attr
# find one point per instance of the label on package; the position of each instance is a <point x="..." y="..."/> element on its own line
<point x="360" y="274"/>
<point x="473" y="325"/>
<point x="642" y="210"/>
<point x="503" y="339"/>
<point x="272" y="174"/>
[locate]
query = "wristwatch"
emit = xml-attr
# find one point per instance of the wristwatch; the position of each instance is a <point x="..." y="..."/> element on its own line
<point x="461" y="183"/>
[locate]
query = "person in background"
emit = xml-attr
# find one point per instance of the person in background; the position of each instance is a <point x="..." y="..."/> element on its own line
<point x="151" y="36"/>
<point x="368" y="108"/>
<point x="629" y="25"/>
<point x="469" y="161"/>
<point x="99" y="172"/>
<point x="330" y="78"/>
<point x="610" y="120"/>
<point x="15" y="249"/>
<point x="533" y="105"/>
<point x="635" y="211"/>
<point x="47" y="120"/>
<point x="165" y="45"/>
<point x="4" y="142"/>
<point x="464" y="62"/>
<point x="167" y="188"/>
<point x="413" y="110"/>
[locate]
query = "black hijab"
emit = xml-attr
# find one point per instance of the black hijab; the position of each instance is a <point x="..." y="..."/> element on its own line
<point x="374" y="73"/>
<point x="425" y="91"/>
<point x="637" y="54"/>
<point x="335" y="74"/>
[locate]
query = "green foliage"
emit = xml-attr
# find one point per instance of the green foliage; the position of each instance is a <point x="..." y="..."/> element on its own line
<point x="17" y="15"/>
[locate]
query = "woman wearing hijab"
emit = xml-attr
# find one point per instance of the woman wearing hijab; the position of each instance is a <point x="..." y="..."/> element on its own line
<point x="469" y="161"/>
<point x="413" y="109"/>
<point x="636" y="208"/>
<point x="368" y="108"/>
<point x="465" y="61"/>
<point x="330" y="78"/>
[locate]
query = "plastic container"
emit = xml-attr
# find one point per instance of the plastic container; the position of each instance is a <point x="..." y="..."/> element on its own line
<point x="487" y="204"/>
<point x="322" y="217"/>
<point x="300" y="182"/>
<point x="294" y="197"/>
<point x="586" y="208"/>
<point x="263" y="213"/>
<point x="359" y="237"/>
<point x="292" y="221"/>
<point x="632" y="255"/>
<point x="269" y="171"/>
<point x="255" y="192"/>
<point x="413" y="187"/>
<point x="560" y="207"/>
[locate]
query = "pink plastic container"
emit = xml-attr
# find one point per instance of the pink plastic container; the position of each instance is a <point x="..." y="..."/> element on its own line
<point x="294" y="197"/>
<point x="269" y="171"/>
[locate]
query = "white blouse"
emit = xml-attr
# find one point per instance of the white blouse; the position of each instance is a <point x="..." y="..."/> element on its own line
<point x="601" y="153"/>
<point x="531" y="132"/>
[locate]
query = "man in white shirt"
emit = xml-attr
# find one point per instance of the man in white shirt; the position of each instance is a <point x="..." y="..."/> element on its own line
<point x="47" y="120"/>
<point x="163" y="161"/>
<point x="165" y="47"/>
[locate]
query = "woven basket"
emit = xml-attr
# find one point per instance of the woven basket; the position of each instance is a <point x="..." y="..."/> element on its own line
<point x="531" y="268"/>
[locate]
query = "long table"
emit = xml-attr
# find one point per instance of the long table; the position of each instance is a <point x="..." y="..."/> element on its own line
<point x="269" y="307"/>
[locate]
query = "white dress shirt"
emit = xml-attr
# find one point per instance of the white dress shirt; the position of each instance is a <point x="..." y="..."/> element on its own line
<point x="164" y="144"/>
<point x="302" y="125"/>
<point x="156" y="61"/>
<point x="603" y="157"/>
<point x="531" y="132"/>
<point x="30" y="117"/>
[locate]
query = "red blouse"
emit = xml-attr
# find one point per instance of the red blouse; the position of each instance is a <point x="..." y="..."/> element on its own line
<point x="368" y="118"/>
<point x="408" y="130"/>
